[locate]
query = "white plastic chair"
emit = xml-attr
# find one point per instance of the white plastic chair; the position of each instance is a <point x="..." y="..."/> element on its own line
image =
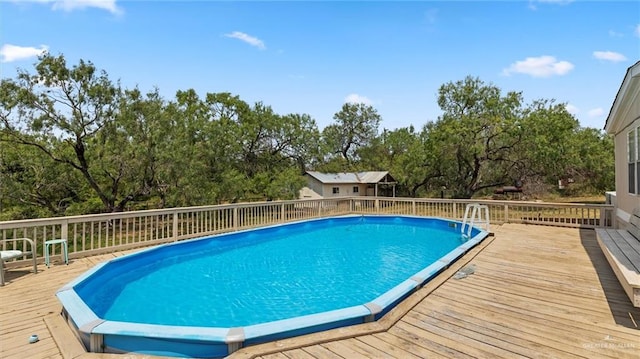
<point x="15" y="253"/>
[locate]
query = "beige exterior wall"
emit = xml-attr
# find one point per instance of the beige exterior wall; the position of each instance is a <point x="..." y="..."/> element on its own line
<point x="344" y="190"/>
<point x="314" y="185"/>
<point x="624" y="117"/>
<point x="633" y="111"/>
<point x="626" y="201"/>
<point x="326" y="190"/>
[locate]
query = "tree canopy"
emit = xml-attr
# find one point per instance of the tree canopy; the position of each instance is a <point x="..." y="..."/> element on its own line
<point x="73" y="141"/>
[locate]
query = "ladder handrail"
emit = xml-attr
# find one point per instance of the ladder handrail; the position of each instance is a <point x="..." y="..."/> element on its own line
<point x="477" y="211"/>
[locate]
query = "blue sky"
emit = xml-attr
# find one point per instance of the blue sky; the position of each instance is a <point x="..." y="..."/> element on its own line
<point x="311" y="57"/>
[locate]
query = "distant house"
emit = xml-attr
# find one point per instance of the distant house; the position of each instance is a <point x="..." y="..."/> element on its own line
<point x="623" y="123"/>
<point x="345" y="184"/>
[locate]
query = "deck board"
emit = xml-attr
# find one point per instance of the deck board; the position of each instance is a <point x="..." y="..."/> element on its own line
<point x="389" y="350"/>
<point x="298" y="354"/>
<point x="406" y="345"/>
<point x="538" y="291"/>
<point x="320" y="352"/>
<point x="351" y="349"/>
<point x="418" y="338"/>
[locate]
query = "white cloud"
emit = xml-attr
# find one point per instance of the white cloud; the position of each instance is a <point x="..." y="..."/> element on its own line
<point x="609" y="56"/>
<point x="253" y="41"/>
<point x="596" y="112"/>
<point x="431" y="16"/>
<point x="572" y="109"/>
<point x="543" y="66"/>
<point x="10" y="53"/>
<point x="70" y="5"/>
<point x="614" y="33"/>
<point x="532" y="3"/>
<point x="355" y="98"/>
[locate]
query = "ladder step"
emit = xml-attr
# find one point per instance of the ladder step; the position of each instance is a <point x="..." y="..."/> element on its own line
<point x="479" y="217"/>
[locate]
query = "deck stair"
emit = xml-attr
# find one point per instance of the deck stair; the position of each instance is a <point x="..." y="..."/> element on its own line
<point x="621" y="247"/>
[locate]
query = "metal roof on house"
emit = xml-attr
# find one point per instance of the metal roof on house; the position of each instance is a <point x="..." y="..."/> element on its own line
<point x="349" y="177"/>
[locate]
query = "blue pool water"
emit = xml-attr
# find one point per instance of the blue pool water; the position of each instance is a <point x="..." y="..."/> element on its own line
<point x="271" y="274"/>
<point x="208" y="297"/>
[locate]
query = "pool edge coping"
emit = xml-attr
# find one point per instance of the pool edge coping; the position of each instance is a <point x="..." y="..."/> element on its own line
<point x="412" y="287"/>
<point x="61" y="332"/>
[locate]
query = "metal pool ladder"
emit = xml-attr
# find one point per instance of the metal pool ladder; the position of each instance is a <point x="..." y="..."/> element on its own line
<point x="479" y="217"/>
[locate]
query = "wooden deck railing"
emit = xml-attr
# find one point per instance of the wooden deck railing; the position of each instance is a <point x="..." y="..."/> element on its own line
<point x="94" y="234"/>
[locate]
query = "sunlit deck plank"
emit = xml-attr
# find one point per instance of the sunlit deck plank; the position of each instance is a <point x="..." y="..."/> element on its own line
<point x="407" y="345"/>
<point x="321" y="352"/>
<point x="389" y="350"/>
<point x="275" y="356"/>
<point x="298" y="354"/>
<point x="27" y="299"/>
<point x="349" y="349"/>
<point x="425" y="340"/>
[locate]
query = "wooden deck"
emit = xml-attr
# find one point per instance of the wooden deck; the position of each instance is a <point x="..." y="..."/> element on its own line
<point x="537" y="292"/>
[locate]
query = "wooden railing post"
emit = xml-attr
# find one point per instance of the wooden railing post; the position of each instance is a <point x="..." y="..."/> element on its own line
<point x="64" y="230"/>
<point x="175" y="226"/>
<point x="282" y="213"/>
<point x="506" y="213"/>
<point x="413" y="207"/>
<point x="235" y="218"/>
<point x="603" y="218"/>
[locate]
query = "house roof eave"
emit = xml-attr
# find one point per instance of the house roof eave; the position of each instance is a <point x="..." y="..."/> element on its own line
<point x="629" y="91"/>
<point x="368" y="177"/>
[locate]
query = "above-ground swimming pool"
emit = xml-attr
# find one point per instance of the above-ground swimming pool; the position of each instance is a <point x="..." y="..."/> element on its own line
<point x="208" y="297"/>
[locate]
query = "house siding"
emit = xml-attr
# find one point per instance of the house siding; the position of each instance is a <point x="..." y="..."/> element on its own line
<point x="345" y="189"/>
<point x="323" y="184"/>
<point x="315" y="185"/>
<point x="623" y="116"/>
<point x="625" y="201"/>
